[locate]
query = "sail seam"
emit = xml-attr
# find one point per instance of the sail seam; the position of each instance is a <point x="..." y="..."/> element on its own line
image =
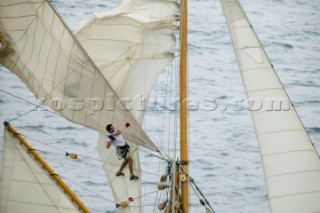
<point x="246" y="47"/>
<point x="281" y="153"/>
<point x="279" y="131"/>
<point x="238" y="27"/>
<point x="293" y="173"/>
<point x="291" y="195"/>
<point x="258" y="90"/>
<point x="38" y="204"/>
<point x="255" y="69"/>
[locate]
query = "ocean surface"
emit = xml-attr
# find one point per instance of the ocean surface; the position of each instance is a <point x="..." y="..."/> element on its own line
<point x="223" y="150"/>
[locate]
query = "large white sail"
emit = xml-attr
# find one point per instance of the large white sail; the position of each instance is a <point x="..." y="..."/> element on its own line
<point x="25" y="186"/>
<point x="131" y="45"/>
<point x="38" y="47"/>
<point x="291" y="163"/>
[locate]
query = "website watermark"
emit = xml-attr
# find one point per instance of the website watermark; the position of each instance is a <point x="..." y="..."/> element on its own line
<point x="138" y="103"/>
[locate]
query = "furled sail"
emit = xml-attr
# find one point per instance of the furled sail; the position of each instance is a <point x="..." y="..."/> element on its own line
<point x="291" y="163"/>
<point x="38" y="47"/>
<point x="131" y="45"/>
<point x="25" y="186"/>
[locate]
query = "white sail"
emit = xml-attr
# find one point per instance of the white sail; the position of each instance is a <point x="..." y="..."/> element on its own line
<point x="291" y="164"/>
<point x="123" y="189"/>
<point x="38" y="47"/>
<point x="131" y="45"/>
<point x="25" y="186"/>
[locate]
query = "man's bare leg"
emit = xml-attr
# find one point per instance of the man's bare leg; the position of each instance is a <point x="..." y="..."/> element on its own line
<point x="130" y="165"/>
<point x="125" y="162"/>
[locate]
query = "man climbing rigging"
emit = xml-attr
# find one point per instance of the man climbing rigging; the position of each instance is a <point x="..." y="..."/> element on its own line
<point x="123" y="150"/>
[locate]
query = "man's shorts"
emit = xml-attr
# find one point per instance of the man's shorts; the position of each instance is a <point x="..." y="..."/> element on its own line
<point x="123" y="151"/>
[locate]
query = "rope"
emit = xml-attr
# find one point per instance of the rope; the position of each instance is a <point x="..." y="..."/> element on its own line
<point x="147" y="194"/>
<point x="87" y="189"/>
<point x="79" y="154"/>
<point x="29" y="102"/>
<point x="205" y="203"/>
<point x="157" y="156"/>
<point x="22" y="114"/>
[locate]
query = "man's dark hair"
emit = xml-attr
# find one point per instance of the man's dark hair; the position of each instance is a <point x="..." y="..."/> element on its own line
<point x="108" y="128"/>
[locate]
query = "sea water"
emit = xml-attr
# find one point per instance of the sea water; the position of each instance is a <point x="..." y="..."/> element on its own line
<point x="223" y="150"/>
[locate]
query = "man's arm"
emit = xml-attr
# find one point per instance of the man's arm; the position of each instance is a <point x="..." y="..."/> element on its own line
<point x="108" y="144"/>
<point x="117" y="132"/>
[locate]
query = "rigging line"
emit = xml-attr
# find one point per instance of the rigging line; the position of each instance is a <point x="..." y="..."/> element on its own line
<point x="167" y="116"/>
<point x="146" y="194"/>
<point x="23" y="114"/>
<point x="146" y="172"/>
<point x="43" y="143"/>
<point x="175" y="194"/>
<point x="101" y="196"/>
<point x="44" y="151"/>
<point x="141" y="180"/>
<point x="40" y="106"/>
<point x="191" y="180"/>
<point x="205" y="203"/>
<point x="157" y="156"/>
<point x="167" y="191"/>
<point x="172" y="82"/>
<point x="156" y="199"/>
<point x="193" y="186"/>
<point x="153" y="205"/>
<point x="164" y="115"/>
<point x="59" y="148"/>
<point x="81" y="155"/>
<point x="36" y="105"/>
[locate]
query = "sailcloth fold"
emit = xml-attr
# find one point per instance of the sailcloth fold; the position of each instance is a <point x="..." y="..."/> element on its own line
<point x="291" y="163"/>
<point x="25" y="186"/>
<point x="130" y="45"/>
<point x="39" y="48"/>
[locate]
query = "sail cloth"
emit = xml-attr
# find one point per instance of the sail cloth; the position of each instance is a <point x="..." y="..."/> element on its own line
<point x="42" y="51"/>
<point x="123" y="189"/>
<point x="130" y="45"/>
<point x="25" y="186"/>
<point x="291" y="163"/>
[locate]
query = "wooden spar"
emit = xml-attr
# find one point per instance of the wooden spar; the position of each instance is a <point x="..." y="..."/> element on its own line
<point x="183" y="105"/>
<point x="46" y="166"/>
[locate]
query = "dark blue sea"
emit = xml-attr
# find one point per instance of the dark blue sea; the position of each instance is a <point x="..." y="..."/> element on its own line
<point x="223" y="150"/>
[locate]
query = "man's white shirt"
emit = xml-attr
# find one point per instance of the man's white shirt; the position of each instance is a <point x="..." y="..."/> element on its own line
<point x="119" y="140"/>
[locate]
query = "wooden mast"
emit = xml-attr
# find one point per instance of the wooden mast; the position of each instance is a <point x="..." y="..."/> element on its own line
<point x="183" y="106"/>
